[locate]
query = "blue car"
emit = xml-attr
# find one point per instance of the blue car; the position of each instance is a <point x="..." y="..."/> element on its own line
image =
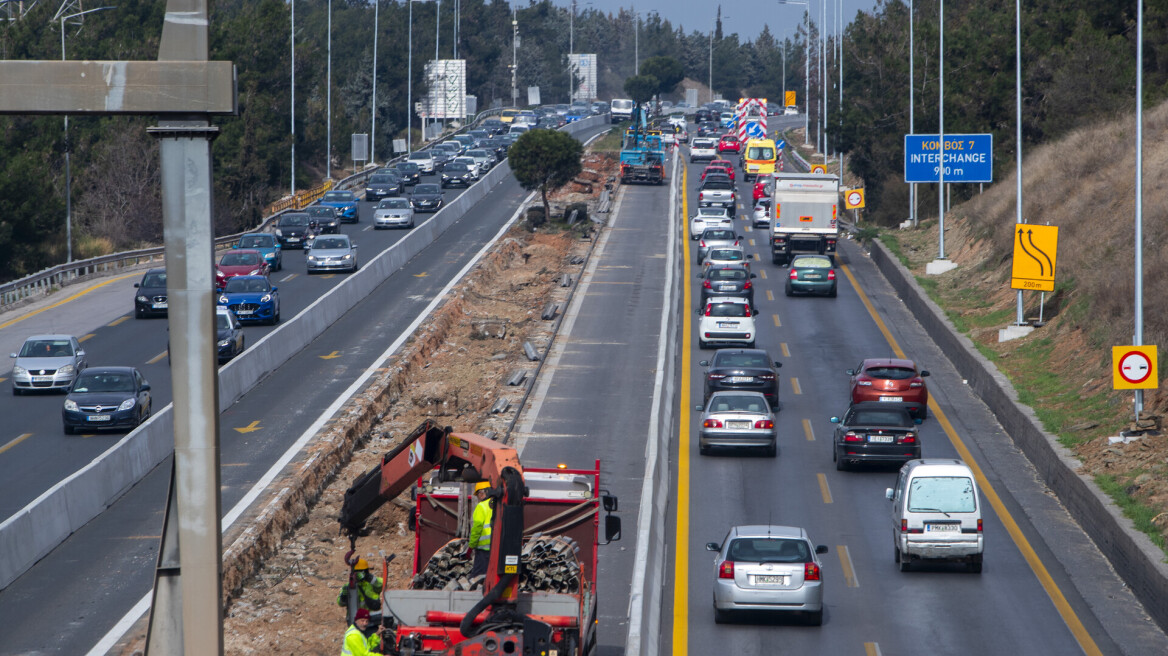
<point x="345" y="203"/>
<point x="251" y="298"/>
<point x="266" y="244"/>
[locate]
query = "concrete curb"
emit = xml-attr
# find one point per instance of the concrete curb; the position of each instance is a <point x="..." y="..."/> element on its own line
<point x="1137" y="561"/>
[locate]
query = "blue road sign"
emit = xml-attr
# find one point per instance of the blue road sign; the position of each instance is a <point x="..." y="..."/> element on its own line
<point x="780" y="144"/>
<point x="968" y="158"/>
<point x="755" y="130"/>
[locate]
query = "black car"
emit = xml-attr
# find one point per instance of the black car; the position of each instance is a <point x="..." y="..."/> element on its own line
<point x="702" y="116"/>
<point x="383" y="185"/>
<point x="727" y="280"/>
<point x="409" y="172"/>
<point x="150" y="294"/>
<point x="326" y="218"/>
<point x="442" y="157"/>
<point x="494" y="126"/>
<point x="457" y="174"/>
<point x="873" y="431"/>
<point x="292" y="229"/>
<point x="709" y="130"/>
<point x="743" y="369"/>
<point x="105" y="398"/>
<point x="426" y="197"/>
<point x="228" y="333"/>
<point x="479" y="136"/>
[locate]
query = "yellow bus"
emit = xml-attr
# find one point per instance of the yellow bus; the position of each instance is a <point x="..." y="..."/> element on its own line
<point x="759" y="158"/>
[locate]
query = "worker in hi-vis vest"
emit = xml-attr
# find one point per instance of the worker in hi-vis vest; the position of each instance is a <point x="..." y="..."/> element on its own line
<point x="479" y="543"/>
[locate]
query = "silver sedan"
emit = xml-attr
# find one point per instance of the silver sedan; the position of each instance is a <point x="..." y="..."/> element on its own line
<point x="737" y="419"/>
<point x="332" y="253"/>
<point x="47" y="362"/>
<point x="768" y="569"/>
<point x="393" y="213"/>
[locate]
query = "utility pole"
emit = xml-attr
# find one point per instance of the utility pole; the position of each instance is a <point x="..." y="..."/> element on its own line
<point x="912" y="188"/>
<point x="373" y="110"/>
<point x="514" y="57"/>
<point x="292" y="6"/>
<point x="328" y="139"/>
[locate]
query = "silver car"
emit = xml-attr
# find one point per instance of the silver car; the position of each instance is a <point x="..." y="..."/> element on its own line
<point x="393" y="213"/>
<point x="738" y="419"/>
<point x="713" y="238"/>
<point x="476" y="171"/>
<point x="48" y="362"/>
<point x="332" y="253"/>
<point x="769" y="569"/>
<point x="424" y="159"/>
<point x="486" y="159"/>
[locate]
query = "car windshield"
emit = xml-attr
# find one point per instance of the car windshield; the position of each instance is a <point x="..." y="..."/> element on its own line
<point x="737" y="403"/>
<point x="337" y="197"/>
<point x="811" y="263"/>
<point x="947" y="494"/>
<point x="718" y="234"/>
<point x="322" y="211"/>
<point x="727" y="254"/>
<point x="480" y="154"/>
<point x="154" y="280"/>
<point x="457" y="167"/>
<point x="769" y="550"/>
<point x="104" y="382"/>
<point x="427" y="189"/>
<point x="257" y="241"/>
<point x="713" y="212"/>
<point x="718" y="182"/>
<point x="240" y="259"/>
<point x="246" y="285"/>
<point x="222" y="322"/>
<point x="890" y="373"/>
<point x="329" y="242"/>
<point x="408" y="167"/>
<point x="419" y="155"/>
<point x="728" y="310"/>
<point x="381" y="179"/>
<point x="879" y="417"/>
<point x="294" y="220"/>
<point x="703" y="143"/>
<point x="741" y="360"/>
<point x="727" y="274"/>
<point x="47" y="348"/>
<point x="760" y="152"/>
<point x="394" y="204"/>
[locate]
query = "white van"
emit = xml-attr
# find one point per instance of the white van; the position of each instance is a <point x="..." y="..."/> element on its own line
<point x="936" y="513"/>
<point x="621" y="109"/>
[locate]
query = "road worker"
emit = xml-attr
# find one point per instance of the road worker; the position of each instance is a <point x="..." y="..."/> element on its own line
<point x="369" y="588"/>
<point x="357" y="642"/>
<point x="479" y="543"/>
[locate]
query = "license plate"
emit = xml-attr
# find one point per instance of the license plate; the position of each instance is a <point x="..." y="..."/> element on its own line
<point x="726" y="288"/>
<point x="97" y="418"/>
<point x="738" y="424"/>
<point x="880" y="439"/>
<point x="245" y="312"/>
<point x="159" y="306"/>
<point x="771" y="578"/>
<point x="942" y="528"/>
<point x="42" y="379"/>
<point x="291" y="239"/>
<point x="740" y="379"/>
<point x="892" y="399"/>
<point x="812" y="276"/>
<point x="727" y="324"/>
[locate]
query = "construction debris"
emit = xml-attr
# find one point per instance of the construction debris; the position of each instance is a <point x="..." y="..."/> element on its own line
<point x="547" y="564"/>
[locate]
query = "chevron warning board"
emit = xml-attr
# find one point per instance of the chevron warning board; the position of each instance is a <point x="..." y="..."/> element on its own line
<point x="751" y="117"/>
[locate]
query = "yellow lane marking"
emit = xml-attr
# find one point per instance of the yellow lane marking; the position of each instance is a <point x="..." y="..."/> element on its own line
<point x="823" y="489"/>
<point x="421" y="275"/>
<point x="795" y="385"/>
<point x="85" y="337"/>
<point x="762" y="274"/>
<point x="250" y="428"/>
<point x="775" y="318"/>
<point x="3" y="379"/>
<point x="1082" y="636"/>
<point x="846" y="564"/>
<point x="770" y="296"/>
<point x="871" y="649"/>
<point x="330" y="356"/>
<point x="681" y="540"/>
<point x="808" y="431"/>
<point x="140" y="537"/>
<point x="118" y="320"/>
<point x="66" y="300"/>
<point x="329" y="276"/>
<point x="15" y="442"/>
<point x="747" y="227"/>
<point x="155" y="359"/>
<point x="786" y="352"/>
<point x="751" y="242"/>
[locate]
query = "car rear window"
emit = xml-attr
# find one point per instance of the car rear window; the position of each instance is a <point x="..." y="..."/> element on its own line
<point x="727" y="310"/>
<point x="737" y="403"/>
<point x="718" y="182"/>
<point x="713" y="211"/>
<point x="727" y="274"/>
<point x="890" y="373"/>
<point x="758" y="152"/>
<point x="741" y="360"/>
<point x="889" y="417"/>
<point x="811" y="263"/>
<point x="769" y="550"/>
<point x="718" y="234"/>
<point x="947" y="494"/>
<point x="730" y="254"/>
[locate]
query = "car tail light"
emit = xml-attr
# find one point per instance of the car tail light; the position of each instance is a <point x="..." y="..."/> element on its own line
<point x="766" y="376"/>
<point x="979" y="525"/>
<point x="863" y="382"/>
<point x="711" y="423"/>
<point x="764" y="423"/>
<point x="716" y="376"/>
<point x="726" y="569"/>
<point x="748" y="285"/>
<point x="708" y="306"/>
<point x="916" y="383"/>
<point x="850" y="436"/>
<point x="706" y="284"/>
<point x="905" y="529"/>
<point x="831" y="275"/>
<point x="794" y="275"/>
<point x="702" y="243"/>
<point x="810" y="572"/>
<point x="909" y="438"/>
<point x="701" y="194"/>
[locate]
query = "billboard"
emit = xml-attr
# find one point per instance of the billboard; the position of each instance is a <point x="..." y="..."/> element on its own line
<point x="446" y="80"/>
<point x="583" y="68"/>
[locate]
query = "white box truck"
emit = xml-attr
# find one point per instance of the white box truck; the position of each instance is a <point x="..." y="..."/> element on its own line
<point x="805" y="211"/>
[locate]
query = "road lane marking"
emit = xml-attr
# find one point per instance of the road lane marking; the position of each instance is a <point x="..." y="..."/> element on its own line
<point x="807" y="430"/>
<point x="775" y="318"/>
<point x="155" y="359"/>
<point x="1074" y="624"/>
<point x="755" y="256"/>
<point x="118" y="320"/>
<point x="770" y="296"/>
<point x="795" y="385"/>
<point x="330" y="356"/>
<point x="747" y="227"/>
<point x="85" y="337"/>
<point x="751" y="242"/>
<point x="250" y="428"/>
<point x="786" y="352"/>
<point x="66" y="300"/>
<point x="872" y="649"/>
<point x="367" y="228"/>
<point x="762" y="274"/>
<point x="421" y="275"/>
<point x="288" y="277"/>
<point x="681" y="540"/>
<point x="823" y="489"/>
<point x="846" y="564"/>
<point x="329" y="276"/>
<point x="2" y="379"/>
<point x="15" y="442"/>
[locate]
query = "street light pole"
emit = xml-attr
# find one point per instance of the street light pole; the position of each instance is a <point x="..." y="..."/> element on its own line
<point x="711" y="65"/>
<point x="410" y="81"/>
<point x="1019" y="318"/>
<point x="941" y="138"/>
<point x="328" y="139"/>
<point x="292" y="6"/>
<point x="373" y="110"/>
<point x="1139" y="246"/>
<point x="912" y="188"/>
<point x="514" y="58"/>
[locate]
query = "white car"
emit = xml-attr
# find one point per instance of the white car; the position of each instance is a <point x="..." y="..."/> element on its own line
<point x="393" y="213"/>
<point x="727" y="321"/>
<point x="677" y="120"/>
<point x="709" y="217"/>
<point x="424" y="160"/>
<point x="703" y="149"/>
<point x="791" y="110"/>
<point x="762" y="216"/>
<point x="668" y="138"/>
<point x="475" y="168"/>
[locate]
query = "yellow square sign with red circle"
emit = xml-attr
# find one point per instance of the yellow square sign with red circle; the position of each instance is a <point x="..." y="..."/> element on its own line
<point x="1134" y="367"/>
<point x="853" y="199"/>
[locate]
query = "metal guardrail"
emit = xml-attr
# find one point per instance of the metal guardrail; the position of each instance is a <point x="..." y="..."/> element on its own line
<point x="45" y="281"/>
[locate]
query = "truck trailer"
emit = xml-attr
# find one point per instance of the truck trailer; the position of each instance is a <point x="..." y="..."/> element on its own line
<point x="804" y="214"/>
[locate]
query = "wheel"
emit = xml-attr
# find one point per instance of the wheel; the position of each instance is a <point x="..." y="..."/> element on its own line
<point x="775" y="260"/>
<point x="924" y="413"/>
<point x="703" y="344"/>
<point x="904" y="564"/>
<point x="771" y="451"/>
<point x="895" y="554"/>
<point x="280" y="264"/>
<point x="832" y="293"/>
<point x="721" y="616"/>
<point x="815" y="618"/>
<point x="787" y="290"/>
<point x="15" y="391"/>
<point x="68" y="429"/>
<point x="703" y="449"/>
<point x="839" y="462"/>
<point x="975" y="564"/>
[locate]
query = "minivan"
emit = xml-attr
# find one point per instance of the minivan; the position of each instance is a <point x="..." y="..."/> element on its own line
<point x="936" y="514"/>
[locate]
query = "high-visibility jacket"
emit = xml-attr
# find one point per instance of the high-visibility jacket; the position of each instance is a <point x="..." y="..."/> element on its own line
<point x="368" y="592"/>
<point x="356" y="644"/>
<point x="480" y="525"/>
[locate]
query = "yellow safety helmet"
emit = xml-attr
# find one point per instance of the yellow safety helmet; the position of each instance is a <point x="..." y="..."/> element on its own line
<point x="482" y="485"/>
<point x="361" y="564"/>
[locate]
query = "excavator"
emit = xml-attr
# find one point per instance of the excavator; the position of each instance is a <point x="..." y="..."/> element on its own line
<point x="503" y="617"/>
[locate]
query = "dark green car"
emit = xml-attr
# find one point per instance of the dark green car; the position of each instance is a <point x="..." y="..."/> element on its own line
<point x="811" y="274"/>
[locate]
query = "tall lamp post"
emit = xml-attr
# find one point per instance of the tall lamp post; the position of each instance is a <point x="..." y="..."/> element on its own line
<point x="410" y="78"/>
<point x="806" y="70"/>
<point x="68" y="148"/>
<point x="328" y="138"/>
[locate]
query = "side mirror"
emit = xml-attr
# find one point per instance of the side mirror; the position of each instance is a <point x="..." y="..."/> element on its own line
<point x="754" y="275"/>
<point x="12" y="355"/>
<point x="850" y="372"/>
<point x="835" y="420"/>
<point x="918" y="421"/>
<point x="275" y="289"/>
<point x="755" y="313"/>
<point x="704" y="363"/>
<point x="353" y="245"/>
<point x="924" y="373"/>
<point x="612" y="528"/>
<point x="821" y="548"/>
<point x="700" y="408"/>
<point x="610" y="502"/>
<point x="136" y="285"/>
<point x="80" y="353"/>
<point x="145" y="387"/>
<point x="739" y="237"/>
<point x="888" y="493"/>
<point x="235" y="245"/>
<point x="778" y="365"/>
<point x="713" y="546"/>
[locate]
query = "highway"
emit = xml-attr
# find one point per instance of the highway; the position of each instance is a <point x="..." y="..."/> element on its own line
<point x="1045" y="591"/>
<point x="105" y="568"/>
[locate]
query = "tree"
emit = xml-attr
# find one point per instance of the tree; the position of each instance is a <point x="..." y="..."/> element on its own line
<point x="545" y="160"/>
<point x="641" y="88"/>
<point x="667" y="70"/>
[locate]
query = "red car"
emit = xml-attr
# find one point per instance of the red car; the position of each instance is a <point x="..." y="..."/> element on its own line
<point x="762" y="187"/>
<point x="719" y="167"/>
<point x="729" y="142"/>
<point x="892" y="380"/>
<point x="240" y="262"/>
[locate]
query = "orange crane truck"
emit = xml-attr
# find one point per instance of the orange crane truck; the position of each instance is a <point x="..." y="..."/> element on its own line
<point x="539" y="593"/>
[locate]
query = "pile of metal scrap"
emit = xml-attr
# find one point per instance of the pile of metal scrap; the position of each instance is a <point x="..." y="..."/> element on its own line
<point x="548" y="564"/>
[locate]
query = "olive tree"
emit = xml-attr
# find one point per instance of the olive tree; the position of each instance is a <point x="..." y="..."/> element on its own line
<point x="641" y="88"/>
<point x="545" y="160"/>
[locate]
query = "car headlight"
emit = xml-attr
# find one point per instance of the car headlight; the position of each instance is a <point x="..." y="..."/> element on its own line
<point x="67" y="370"/>
<point x="311" y="258"/>
<point x="224" y="342"/>
<point x="347" y="256"/>
<point x="254" y="272"/>
<point x="279" y="232"/>
<point x="369" y="190"/>
<point x="265" y="298"/>
<point x="127" y="404"/>
<point x="142" y="299"/>
<point x="19" y="371"/>
<point x="445" y="177"/>
<point x="270" y="256"/>
<point x="223" y="300"/>
<point x="71" y="405"/>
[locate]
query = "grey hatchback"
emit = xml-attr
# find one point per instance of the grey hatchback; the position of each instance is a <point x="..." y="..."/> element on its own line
<point x="768" y="569"/>
<point x="48" y="362"/>
<point x="727" y="280"/>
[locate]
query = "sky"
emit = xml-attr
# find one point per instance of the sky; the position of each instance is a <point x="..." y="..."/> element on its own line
<point x="744" y="17"/>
